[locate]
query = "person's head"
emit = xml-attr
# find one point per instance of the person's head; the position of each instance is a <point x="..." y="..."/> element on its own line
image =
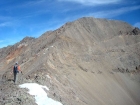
<point x="16" y="63"/>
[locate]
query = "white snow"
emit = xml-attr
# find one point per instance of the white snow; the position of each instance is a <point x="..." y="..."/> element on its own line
<point x="40" y="95"/>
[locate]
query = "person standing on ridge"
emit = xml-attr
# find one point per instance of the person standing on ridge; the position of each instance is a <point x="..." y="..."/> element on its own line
<point x="16" y="70"/>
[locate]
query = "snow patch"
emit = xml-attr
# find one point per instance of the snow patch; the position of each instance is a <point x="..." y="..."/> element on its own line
<point x="39" y="93"/>
<point x="22" y="44"/>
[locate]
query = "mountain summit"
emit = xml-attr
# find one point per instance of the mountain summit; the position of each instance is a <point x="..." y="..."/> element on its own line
<point x="89" y="61"/>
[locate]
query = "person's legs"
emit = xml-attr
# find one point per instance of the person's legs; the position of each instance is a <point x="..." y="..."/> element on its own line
<point x="15" y="77"/>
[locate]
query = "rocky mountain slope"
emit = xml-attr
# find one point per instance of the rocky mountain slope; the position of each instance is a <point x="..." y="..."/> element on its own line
<point x="85" y="62"/>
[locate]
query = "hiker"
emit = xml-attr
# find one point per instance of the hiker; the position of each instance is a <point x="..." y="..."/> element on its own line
<point x="16" y="70"/>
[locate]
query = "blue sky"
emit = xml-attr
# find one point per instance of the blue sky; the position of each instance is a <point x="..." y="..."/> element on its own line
<point x="21" y="18"/>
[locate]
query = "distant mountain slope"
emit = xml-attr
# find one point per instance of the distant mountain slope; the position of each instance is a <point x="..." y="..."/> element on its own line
<point x="85" y="62"/>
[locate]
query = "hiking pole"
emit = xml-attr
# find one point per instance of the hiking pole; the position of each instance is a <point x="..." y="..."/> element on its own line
<point x="21" y="77"/>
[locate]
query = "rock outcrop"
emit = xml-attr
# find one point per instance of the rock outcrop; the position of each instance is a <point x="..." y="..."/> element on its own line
<point x="85" y="62"/>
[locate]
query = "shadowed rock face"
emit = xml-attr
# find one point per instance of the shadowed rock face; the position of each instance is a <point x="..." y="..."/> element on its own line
<point x="85" y="62"/>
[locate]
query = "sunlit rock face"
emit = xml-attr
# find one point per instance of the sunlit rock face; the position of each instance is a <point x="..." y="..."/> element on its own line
<point x="84" y="62"/>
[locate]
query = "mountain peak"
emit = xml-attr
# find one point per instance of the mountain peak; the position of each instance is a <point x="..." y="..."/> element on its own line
<point x="83" y="62"/>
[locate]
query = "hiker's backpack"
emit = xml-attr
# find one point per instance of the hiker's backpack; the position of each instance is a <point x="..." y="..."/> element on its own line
<point x="15" y="69"/>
